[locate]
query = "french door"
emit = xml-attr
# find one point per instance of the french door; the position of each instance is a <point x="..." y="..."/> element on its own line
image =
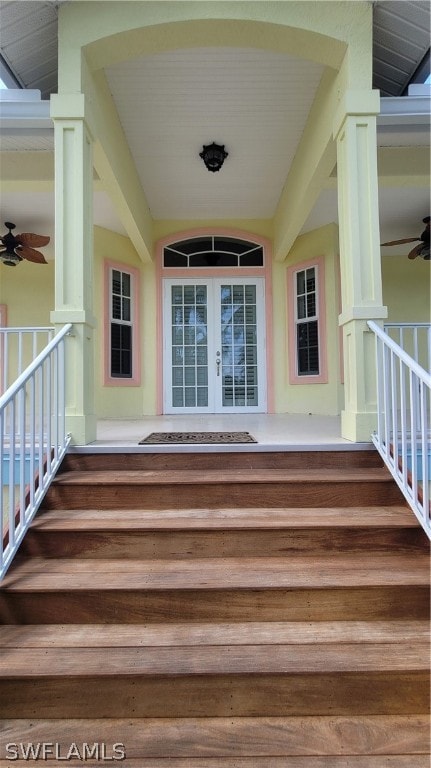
<point x="214" y="345"/>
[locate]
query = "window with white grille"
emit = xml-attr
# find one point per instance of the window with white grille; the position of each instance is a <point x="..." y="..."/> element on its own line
<point x="307" y="322"/>
<point x="121" y="324"/>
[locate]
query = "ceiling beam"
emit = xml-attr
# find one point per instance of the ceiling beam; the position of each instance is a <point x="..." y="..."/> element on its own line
<point x="114" y="165"/>
<point x="314" y="161"/>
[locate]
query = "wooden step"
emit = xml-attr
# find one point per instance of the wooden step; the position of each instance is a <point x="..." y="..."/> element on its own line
<point x="177" y="489"/>
<point x="348" y="761"/>
<point x="296" y="588"/>
<point x="221" y="610"/>
<point x="379" y="741"/>
<point x="154" y="534"/>
<point x="262" y="633"/>
<point x="202" y="460"/>
<point x="237" y="681"/>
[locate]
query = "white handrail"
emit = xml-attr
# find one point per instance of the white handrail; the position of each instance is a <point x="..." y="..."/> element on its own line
<point x="33" y="441"/>
<point x="402" y="436"/>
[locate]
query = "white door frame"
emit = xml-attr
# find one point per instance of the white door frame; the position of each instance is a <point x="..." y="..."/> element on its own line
<point x="214" y="343"/>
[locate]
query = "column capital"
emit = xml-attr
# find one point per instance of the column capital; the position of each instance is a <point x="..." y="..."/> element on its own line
<point x="363" y="312"/>
<point x="68" y="106"/>
<point x="356" y="103"/>
<point x="75" y="316"/>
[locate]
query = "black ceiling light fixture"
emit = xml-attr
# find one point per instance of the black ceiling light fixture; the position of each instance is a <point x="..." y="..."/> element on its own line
<point x="213" y="156"/>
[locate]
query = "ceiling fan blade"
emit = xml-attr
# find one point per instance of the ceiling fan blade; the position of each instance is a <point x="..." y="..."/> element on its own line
<point x="415" y="251"/>
<point x="31" y="255"/>
<point x="32" y="240"/>
<point x="400" y="242"/>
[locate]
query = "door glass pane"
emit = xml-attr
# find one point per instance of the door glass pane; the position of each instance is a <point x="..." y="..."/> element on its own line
<point x="189" y="337"/>
<point x="239" y="345"/>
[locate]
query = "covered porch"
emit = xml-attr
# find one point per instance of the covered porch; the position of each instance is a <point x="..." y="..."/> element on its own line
<point x="272" y="431"/>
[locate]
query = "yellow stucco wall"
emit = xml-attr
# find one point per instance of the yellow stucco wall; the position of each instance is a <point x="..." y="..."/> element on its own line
<point x="163" y="228"/>
<point x="406" y="289"/>
<point x="28" y="292"/>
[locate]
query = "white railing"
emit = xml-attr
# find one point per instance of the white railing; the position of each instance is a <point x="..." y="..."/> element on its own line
<point x="413" y="338"/>
<point x="33" y="441"/>
<point x="402" y="436"/>
<point x="18" y="348"/>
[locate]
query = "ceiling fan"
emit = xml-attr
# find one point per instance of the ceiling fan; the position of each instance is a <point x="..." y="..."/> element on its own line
<point x="423" y="249"/>
<point x="18" y="247"/>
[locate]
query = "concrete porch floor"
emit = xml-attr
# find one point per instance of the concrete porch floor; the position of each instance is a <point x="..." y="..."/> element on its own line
<point x="285" y="432"/>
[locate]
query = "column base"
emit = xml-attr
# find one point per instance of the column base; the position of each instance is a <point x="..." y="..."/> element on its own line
<point x="83" y="428"/>
<point x="358" y="427"/>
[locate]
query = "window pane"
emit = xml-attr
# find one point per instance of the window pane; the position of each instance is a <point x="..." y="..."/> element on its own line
<point x="232" y="245"/>
<point x="194" y="245"/>
<point x="213" y="260"/>
<point x="201" y="294"/>
<point x="116" y="281"/>
<point x="177" y="294"/>
<point x="171" y="259"/>
<point x="177" y="376"/>
<point x="300" y="282"/>
<point x="308" y="349"/>
<point x="126" y="310"/>
<point x="252" y="259"/>
<point x="238" y="294"/>
<point x="189" y="397"/>
<point x="226" y="295"/>
<point x="311" y="305"/>
<point x="121" y="350"/>
<point x="250" y="294"/>
<point x="190" y="376"/>
<point x="177" y="397"/>
<point x="126" y="284"/>
<point x="116" y="308"/>
<point x="311" y="282"/>
<point x="189" y="294"/>
<point x="301" y="307"/>
<point x="202" y="397"/>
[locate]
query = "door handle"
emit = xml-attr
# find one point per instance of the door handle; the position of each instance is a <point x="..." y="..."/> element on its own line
<point x="218" y="366"/>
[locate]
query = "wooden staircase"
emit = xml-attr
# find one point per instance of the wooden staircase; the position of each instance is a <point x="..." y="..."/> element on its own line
<point x="220" y="610"/>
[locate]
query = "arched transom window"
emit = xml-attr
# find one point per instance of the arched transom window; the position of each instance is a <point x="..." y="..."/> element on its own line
<point x="213" y="251"/>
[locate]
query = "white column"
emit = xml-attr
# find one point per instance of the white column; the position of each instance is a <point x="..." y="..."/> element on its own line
<point x="74" y="258"/>
<point x="360" y="262"/>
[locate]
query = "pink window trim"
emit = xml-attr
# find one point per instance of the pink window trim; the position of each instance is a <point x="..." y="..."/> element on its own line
<point x="108" y="380"/>
<point x="322" y="378"/>
<point x="265" y="271"/>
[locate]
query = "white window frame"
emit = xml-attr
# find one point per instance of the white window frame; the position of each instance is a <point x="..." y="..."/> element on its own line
<point x="295" y="377"/>
<point x="133" y="323"/>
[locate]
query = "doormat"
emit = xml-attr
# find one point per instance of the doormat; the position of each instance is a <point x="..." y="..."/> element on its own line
<point x="194" y="438"/>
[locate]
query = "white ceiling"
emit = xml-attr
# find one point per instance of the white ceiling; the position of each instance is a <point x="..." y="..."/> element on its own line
<point x="254" y="102"/>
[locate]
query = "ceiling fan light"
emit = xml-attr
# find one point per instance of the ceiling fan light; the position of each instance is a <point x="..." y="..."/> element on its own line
<point x="10" y="258"/>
